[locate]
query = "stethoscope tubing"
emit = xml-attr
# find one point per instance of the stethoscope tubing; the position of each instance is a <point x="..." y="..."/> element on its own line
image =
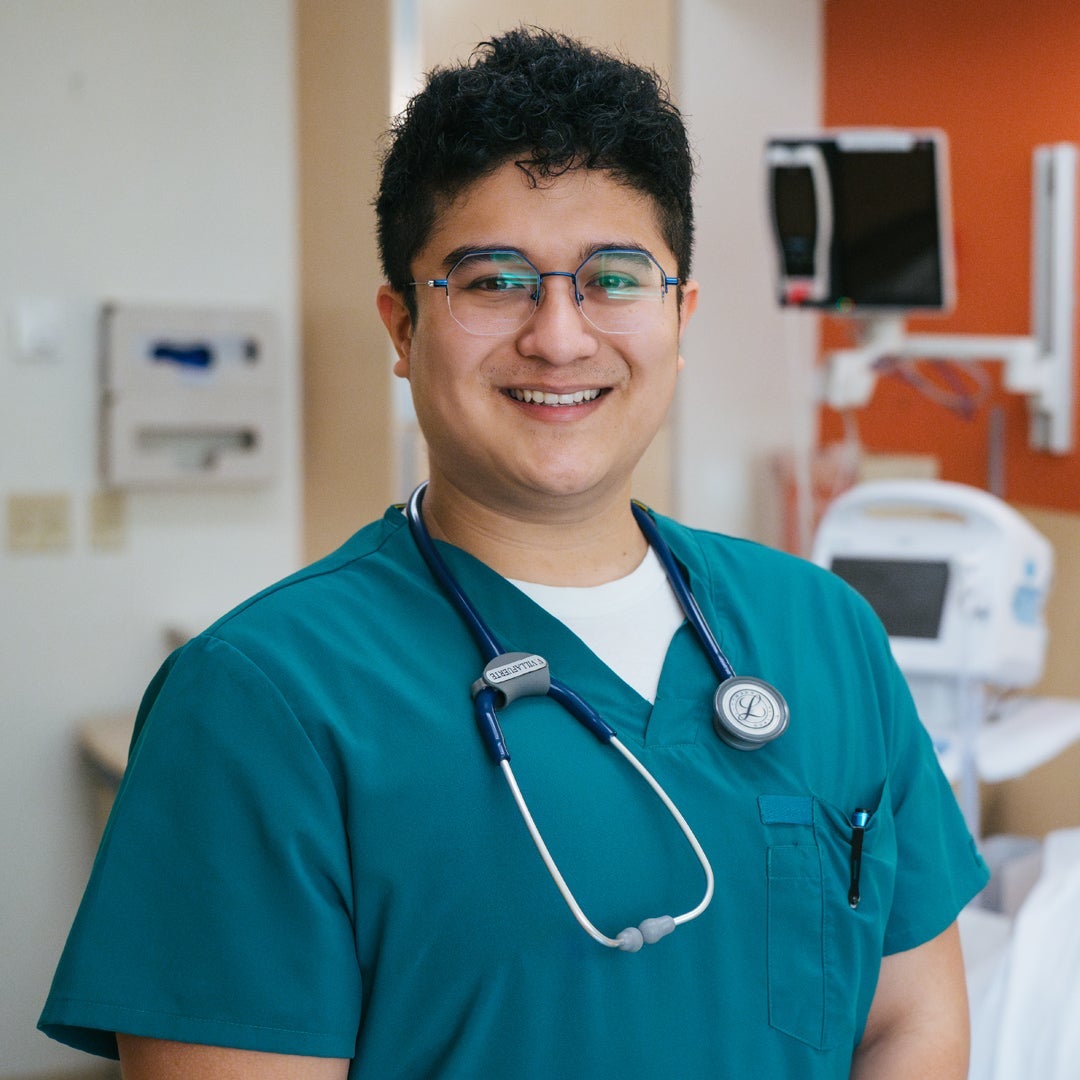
<point x="688" y="603"/>
<point x="485" y="703"/>
<point x="552" y="867"/>
<point x="489" y="644"/>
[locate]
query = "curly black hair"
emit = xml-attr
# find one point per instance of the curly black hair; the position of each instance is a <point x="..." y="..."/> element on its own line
<point x="548" y="103"/>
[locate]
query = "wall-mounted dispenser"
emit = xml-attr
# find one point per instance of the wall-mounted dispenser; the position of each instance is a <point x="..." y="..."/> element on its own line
<point x="190" y="396"/>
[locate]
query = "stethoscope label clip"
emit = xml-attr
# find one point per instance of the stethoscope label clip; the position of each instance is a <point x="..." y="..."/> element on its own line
<point x="515" y="675"/>
<point x="748" y="712"/>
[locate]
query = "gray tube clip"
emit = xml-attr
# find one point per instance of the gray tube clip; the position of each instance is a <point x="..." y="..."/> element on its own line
<point x="514" y="675"/>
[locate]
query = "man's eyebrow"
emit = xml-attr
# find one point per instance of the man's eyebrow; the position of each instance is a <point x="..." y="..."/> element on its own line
<point x="457" y="254"/>
<point x="615" y="245"/>
<point x="453" y="257"/>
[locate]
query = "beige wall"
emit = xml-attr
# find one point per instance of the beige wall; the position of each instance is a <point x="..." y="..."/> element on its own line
<point x="343" y="87"/>
<point x="643" y="30"/>
<point x="1062" y="675"/>
<point x="148" y="157"/>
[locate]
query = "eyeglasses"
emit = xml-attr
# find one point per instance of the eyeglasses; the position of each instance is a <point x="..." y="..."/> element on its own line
<point x="496" y="292"/>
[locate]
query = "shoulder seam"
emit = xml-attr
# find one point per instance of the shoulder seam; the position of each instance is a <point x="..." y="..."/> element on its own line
<point x="307" y="573"/>
<point x="211" y="636"/>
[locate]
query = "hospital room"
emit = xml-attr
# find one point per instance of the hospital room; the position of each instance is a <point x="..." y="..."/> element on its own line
<point x="198" y="399"/>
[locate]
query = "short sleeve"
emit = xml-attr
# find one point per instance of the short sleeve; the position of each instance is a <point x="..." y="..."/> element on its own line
<point x="219" y="909"/>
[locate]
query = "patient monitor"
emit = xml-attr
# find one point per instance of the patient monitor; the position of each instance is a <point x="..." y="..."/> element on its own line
<point x="959" y="579"/>
<point x="957" y="576"/>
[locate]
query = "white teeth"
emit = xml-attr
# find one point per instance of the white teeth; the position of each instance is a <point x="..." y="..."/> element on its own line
<point x="546" y="397"/>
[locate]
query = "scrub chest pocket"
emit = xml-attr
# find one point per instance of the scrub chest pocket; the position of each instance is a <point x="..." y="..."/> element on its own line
<point x="821" y="949"/>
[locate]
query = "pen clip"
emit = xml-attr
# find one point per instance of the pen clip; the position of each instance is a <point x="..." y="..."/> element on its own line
<point x="859" y="820"/>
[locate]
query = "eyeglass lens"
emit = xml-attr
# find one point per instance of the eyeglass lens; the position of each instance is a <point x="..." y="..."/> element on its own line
<point x="496" y="292"/>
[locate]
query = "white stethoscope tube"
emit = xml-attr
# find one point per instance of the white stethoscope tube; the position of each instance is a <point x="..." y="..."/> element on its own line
<point x="649" y="930"/>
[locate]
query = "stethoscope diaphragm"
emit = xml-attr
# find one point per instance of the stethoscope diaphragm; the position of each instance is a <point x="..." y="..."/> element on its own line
<point x="748" y="712"/>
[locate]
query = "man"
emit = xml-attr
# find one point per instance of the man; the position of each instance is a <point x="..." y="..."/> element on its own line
<point x="314" y="869"/>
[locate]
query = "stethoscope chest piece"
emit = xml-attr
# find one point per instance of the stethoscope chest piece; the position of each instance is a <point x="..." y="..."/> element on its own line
<point x="748" y="712"/>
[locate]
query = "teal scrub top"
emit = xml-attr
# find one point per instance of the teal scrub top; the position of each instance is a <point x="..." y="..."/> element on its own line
<point x="312" y="853"/>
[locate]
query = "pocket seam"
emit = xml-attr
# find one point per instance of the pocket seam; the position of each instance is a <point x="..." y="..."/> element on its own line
<point x="789" y="891"/>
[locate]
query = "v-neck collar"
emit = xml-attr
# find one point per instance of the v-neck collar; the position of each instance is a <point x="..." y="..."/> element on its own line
<point x="683" y="707"/>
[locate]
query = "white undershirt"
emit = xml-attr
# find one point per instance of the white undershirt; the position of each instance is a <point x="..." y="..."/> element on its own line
<point x="628" y="623"/>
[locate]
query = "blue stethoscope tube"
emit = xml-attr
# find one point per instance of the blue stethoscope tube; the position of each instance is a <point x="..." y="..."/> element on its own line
<point x="485" y="699"/>
<point x="682" y="592"/>
<point x="747" y="712"/>
<point x="508" y="676"/>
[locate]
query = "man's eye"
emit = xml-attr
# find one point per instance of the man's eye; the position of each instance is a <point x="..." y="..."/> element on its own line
<point x="614" y="282"/>
<point x="501" y="283"/>
<point x="494" y="280"/>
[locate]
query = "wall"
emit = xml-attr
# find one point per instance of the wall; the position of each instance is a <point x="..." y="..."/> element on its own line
<point x="343" y="56"/>
<point x="1048" y="797"/>
<point x="640" y="29"/>
<point x="1000" y="78"/>
<point x="147" y="156"/>
<point x="747" y="69"/>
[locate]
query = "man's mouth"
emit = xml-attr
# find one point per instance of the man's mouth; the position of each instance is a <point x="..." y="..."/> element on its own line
<point x="546" y="397"/>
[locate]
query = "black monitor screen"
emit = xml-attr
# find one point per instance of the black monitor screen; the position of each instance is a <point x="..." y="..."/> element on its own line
<point x="888" y="234"/>
<point x="796" y="218"/>
<point x="907" y="594"/>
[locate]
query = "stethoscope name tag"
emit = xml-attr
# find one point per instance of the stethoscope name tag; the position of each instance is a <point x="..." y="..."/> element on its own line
<point x="515" y="675"/>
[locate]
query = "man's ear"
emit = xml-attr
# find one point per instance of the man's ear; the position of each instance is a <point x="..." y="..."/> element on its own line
<point x="687" y="307"/>
<point x="688" y="303"/>
<point x="398" y="322"/>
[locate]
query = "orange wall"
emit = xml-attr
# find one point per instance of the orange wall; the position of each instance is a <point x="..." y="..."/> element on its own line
<point x="999" y="77"/>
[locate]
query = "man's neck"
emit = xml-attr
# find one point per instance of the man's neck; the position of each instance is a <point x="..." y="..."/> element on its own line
<point x="568" y="542"/>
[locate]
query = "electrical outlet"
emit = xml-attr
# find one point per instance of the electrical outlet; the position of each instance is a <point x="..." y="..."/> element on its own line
<point x="36" y="331"/>
<point x="39" y="522"/>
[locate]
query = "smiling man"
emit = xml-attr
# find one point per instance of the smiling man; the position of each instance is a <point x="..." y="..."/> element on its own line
<point x="322" y="862"/>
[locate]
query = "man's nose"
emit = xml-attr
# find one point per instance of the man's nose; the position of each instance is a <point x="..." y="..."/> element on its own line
<point x="558" y="330"/>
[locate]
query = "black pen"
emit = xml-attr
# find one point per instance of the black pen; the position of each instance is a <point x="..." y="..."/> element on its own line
<point x="859" y="821"/>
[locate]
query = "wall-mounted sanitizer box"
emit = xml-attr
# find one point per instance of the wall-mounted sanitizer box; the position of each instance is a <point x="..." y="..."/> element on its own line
<point x="190" y="396"/>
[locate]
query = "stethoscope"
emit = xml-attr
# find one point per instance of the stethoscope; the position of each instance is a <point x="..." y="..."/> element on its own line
<point x="747" y="712"/>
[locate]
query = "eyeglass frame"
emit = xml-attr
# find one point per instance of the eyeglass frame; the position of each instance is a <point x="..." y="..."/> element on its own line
<point x="667" y="281"/>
